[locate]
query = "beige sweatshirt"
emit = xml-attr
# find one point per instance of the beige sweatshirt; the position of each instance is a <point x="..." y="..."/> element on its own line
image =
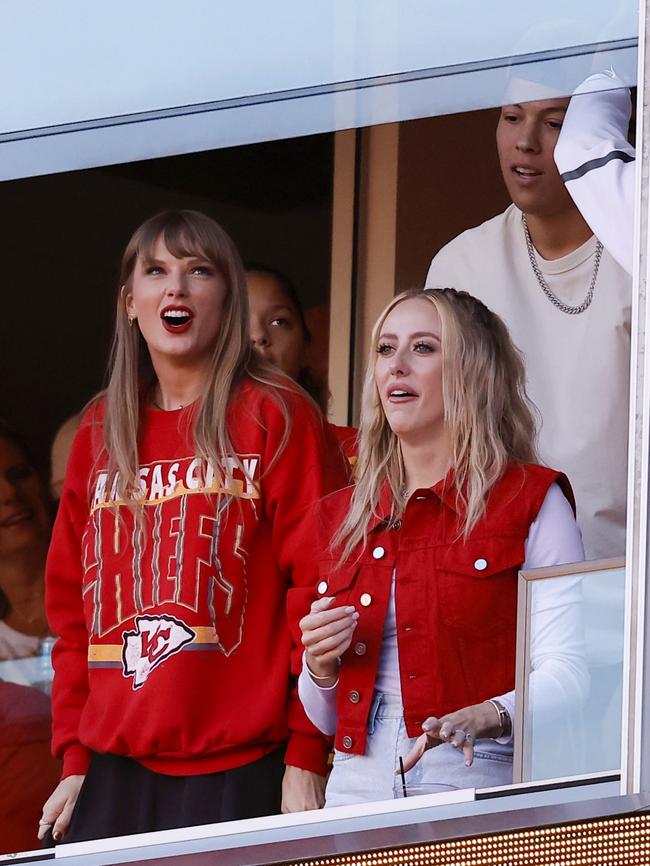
<point x="577" y="366"/>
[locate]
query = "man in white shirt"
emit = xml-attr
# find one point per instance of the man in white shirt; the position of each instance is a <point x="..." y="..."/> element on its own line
<point x="567" y="304"/>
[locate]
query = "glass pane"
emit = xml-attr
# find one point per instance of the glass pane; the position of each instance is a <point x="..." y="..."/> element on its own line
<point x="573" y="710"/>
<point x="275" y="199"/>
<point x="97" y="67"/>
<point x="34" y="671"/>
<point x="329" y="66"/>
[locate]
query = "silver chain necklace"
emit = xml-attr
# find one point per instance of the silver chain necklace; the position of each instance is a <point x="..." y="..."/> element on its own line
<point x="553" y="298"/>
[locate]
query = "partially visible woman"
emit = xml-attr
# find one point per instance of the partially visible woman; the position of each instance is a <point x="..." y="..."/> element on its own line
<point x="182" y="523"/>
<point x="25" y="526"/>
<point x="418" y="588"/>
<point x="280" y="334"/>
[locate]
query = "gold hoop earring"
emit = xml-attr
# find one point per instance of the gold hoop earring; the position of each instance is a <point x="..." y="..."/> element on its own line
<point x="131" y="320"/>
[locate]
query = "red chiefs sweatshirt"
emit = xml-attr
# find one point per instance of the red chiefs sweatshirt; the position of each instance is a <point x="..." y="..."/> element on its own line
<point x="173" y="642"/>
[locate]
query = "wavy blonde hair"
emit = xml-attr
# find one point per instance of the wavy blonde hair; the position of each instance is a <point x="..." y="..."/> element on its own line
<point x="490" y="419"/>
<point x="131" y="373"/>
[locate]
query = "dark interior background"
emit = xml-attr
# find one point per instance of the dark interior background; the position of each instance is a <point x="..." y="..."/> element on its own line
<point x="63" y="236"/>
<point x="448" y="181"/>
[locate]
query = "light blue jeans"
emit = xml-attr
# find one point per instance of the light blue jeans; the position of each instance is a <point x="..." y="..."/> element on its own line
<point x="370" y="777"/>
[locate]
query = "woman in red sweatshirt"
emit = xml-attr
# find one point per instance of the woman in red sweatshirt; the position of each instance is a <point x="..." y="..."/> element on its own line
<point x="182" y="523"/>
<point x="414" y="624"/>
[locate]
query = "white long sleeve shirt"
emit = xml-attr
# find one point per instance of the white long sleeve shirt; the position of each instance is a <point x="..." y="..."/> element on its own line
<point x="597" y="163"/>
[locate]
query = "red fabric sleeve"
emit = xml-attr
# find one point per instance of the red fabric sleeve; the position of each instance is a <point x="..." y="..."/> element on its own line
<point x="310" y="467"/>
<point x="64" y="606"/>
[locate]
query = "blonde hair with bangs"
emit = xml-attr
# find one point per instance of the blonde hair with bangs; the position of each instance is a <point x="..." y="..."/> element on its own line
<point x="131" y="374"/>
<point x="489" y="416"/>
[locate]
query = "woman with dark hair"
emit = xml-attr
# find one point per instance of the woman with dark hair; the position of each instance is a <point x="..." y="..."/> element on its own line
<point x="25" y="525"/>
<point x="414" y="626"/>
<point x="280" y="334"/>
<point x="181" y="525"/>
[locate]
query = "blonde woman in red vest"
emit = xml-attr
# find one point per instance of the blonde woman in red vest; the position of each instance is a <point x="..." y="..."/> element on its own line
<point x="182" y="522"/>
<point x="413" y="629"/>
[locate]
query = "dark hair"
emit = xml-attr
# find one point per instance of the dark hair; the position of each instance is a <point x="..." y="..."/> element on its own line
<point x="307" y="378"/>
<point x="10" y="434"/>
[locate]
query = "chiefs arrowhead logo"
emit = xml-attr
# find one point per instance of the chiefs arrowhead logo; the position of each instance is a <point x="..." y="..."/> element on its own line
<point x="154" y="640"/>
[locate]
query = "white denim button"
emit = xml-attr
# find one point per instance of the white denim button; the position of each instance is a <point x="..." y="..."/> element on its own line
<point x="378" y="552"/>
<point x="322" y="587"/>
<point x="366" y="599"/>
<point x="480" y="564"/>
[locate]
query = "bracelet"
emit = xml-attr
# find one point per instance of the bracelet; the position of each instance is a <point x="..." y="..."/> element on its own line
<point x="316" y="677"/>
<point x="326" y="688"/>
<point x="504" y="718"/>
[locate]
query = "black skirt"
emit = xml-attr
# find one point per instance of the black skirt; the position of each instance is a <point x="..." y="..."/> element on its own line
<point x="120" y="797"/>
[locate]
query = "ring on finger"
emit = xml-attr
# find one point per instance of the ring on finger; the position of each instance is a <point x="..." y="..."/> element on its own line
<point x="469" y="737"/>
<point x="44" y="823"/>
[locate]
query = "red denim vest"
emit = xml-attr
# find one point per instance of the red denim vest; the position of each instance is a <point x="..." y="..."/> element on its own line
<point x="456" y="600"/>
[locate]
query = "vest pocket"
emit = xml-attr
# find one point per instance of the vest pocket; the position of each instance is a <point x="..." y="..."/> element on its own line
<point x="336" y="581"/>
<point x="477" y="584"/>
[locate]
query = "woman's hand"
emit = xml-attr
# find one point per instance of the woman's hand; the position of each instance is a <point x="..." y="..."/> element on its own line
<point x="326" y="634"/>
<point x="460" y="729"/>
<point x="57" y="810"/>
<point x="302" y="790"/>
